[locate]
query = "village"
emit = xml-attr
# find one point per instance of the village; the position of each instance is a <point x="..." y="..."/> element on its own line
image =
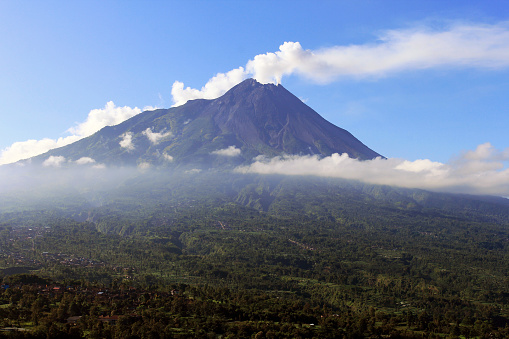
<point x="18" y="254"/>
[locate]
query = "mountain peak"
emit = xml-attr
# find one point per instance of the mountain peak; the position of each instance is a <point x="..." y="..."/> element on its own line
<point x="249" y="87"/>
<point x="268" y="114"/>
<point x="248" y="83"/>
<point x="252" y="83"/>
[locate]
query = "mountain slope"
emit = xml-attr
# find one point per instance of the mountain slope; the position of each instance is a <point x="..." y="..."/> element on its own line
<point x="253" y="118"/>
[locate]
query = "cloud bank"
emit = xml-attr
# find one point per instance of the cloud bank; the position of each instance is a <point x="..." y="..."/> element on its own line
<point x="480" y="171"/>
<point x="458" y="46"/>
<point x="97" y="118"/>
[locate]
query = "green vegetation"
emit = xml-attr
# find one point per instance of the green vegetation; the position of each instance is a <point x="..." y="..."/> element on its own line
<point x="262" y="257"/>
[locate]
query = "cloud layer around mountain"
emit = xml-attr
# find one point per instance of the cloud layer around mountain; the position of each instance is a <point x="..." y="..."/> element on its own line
<point x="480" y="171"/>
<point x="483" y="170"/>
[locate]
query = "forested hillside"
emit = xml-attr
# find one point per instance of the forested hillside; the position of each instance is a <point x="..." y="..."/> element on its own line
<point x="260" y="256"/>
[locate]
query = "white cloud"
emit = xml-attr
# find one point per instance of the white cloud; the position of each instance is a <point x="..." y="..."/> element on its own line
<point x="30" y="148"/>
<point x="97" y="118"/>
<point x="85" y="161"/>
<point x="127" y="141"/>
<point x="143" y="166"/>
<point x="466" y="174"/>
<point x="485" y="152"/>
<point x="110" y="115"/>
<point x="167" y="157"/>
<point x="155" y="137"/>
<point x="460" y="45"/>
<point x="484" y="158"/>
<point x="271" y="67"/>
<point x="54" y="161"/>
<point x="193" y="171"/>
<point x="215" y="87"/>
<point x="231" y="151"/>
<point x="485" y="46"/>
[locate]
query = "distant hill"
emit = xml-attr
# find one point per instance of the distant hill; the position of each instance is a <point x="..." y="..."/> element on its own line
<point x="249" y="120"/>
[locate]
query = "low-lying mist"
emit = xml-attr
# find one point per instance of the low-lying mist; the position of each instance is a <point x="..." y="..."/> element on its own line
<point x="30" y="186"/>
<point x="475" y="172"/>
<point x="120" y="199"/>
<point x="78" y="186"/>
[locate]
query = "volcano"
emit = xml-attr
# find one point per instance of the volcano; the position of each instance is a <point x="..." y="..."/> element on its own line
<point x="249" y="120"/>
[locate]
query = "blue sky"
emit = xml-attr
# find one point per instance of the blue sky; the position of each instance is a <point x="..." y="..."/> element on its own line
<point x="60" y="60"/>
